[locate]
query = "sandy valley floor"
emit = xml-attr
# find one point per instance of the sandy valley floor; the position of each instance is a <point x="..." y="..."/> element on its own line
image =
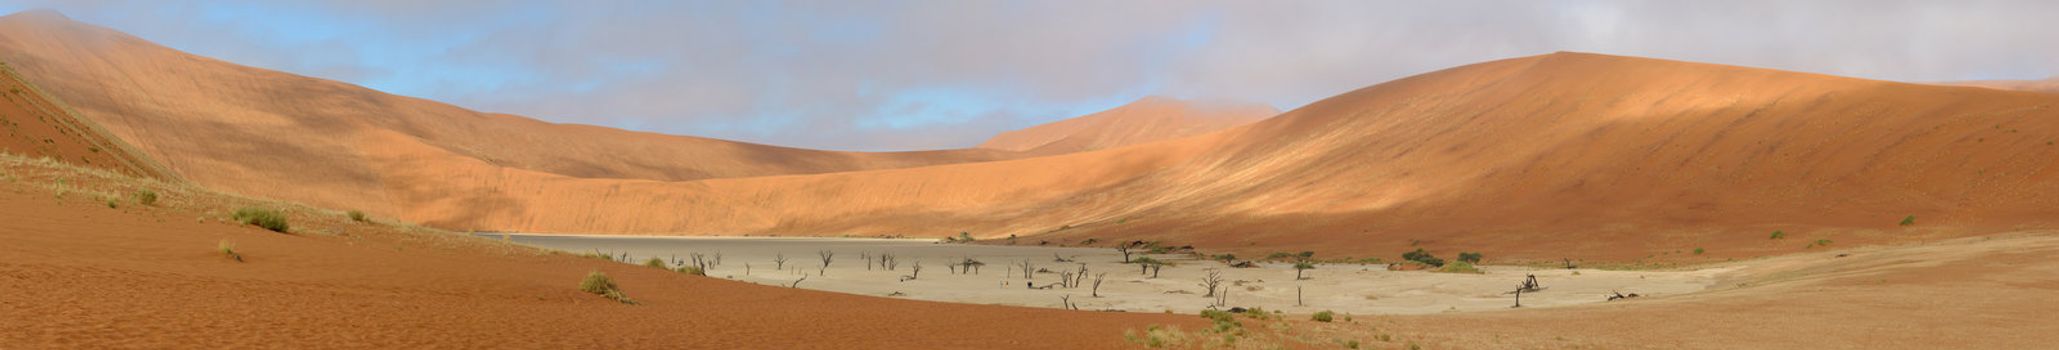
<point x="1347" y="288"/>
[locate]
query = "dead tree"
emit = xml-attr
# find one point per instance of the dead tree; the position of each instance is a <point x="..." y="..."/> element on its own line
<point x="1080" y="276"/>
<point x="700" y="261"/>
<point x="1530" y="284"/>
<point x="868" y="259"/>
<point x="914" y="271"/>
<point x="827" y="256"/>
<point x="1127" y="248"/>
<point x="1213" y="280"/>
<point x="1067" y="301"/>
<point x="1097" y="283"/>
<point x="797" y="283"/>
<point x="1519" y="298"/>
<point x="972" y="265"/>
<point x="1065" y="279"/>
<point x="718" y="259"/>
<point x="1028" y="271"/>
<point x="779" y="260"/>
<point x="888" y="261"/>
<point x="747" y="269"/>
<point x="1223" y="298"/>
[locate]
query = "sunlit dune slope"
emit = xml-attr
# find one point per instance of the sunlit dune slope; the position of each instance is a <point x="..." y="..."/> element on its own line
<point x="1146" y="120"/>
<point x="1553" y="154"/>
<point x="2047" y="85"/>
<point x="285" y="136"/>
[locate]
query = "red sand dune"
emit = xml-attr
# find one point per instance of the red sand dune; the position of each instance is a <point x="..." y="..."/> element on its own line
<point x="1535" y="157"/>
<point x="2047" y="85"/>
<point x="1147" y="120"/>
<point x="37" y="126"/>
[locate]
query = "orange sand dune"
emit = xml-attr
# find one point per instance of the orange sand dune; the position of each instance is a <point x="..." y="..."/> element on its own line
<point x="1146" y="120"/>
<point x="2047" y="85"/>
<point x="1558" y="155"/>
<point x="37" y="126"/>
<point x="285" y="136"/>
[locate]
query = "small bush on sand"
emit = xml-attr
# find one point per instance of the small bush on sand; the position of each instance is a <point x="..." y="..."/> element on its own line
<point x="1473" y="257"/>
<point x="358" y="216"/>
<point x="1698" y="251"/>
<point x="229" y="249"/>
<point x="1819" y="243"/>
<point x="655" y="262"/>
<point x="599" y="283"/>
<point x="1422" y="256"/>
<point x="1908" y="221"/>
<point x="690" y="270"/>
<point x="146" y="197"/>
<point x="1323" y="316"/>
<point x="1459" y="267"/>
<point x="266" y="218"/>
<point x="113" y="203"/>
<point x="1779" y="235"/>
<point x="1156" y="336"/>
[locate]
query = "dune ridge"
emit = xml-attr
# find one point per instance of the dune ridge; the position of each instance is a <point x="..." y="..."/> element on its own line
<point x="1146" y="120"/>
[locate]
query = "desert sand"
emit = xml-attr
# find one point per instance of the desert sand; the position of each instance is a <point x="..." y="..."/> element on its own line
<point x="2047" y="85"/>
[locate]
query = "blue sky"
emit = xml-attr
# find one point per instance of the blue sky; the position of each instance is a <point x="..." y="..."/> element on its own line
<point x="903" y="75"/>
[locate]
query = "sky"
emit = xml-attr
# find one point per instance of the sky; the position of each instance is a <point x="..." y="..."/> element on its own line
<point x="878" y="75"/>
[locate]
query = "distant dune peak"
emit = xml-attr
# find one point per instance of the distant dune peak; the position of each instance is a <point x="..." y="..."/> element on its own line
<point x="1152" y="118"/>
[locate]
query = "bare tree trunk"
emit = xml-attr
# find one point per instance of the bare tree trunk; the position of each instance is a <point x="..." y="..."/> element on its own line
<point x="827" y="256"/>
<point x="780" y="260"/>
<point x="1214" y="279"/>
<point x="1097" y="284"/>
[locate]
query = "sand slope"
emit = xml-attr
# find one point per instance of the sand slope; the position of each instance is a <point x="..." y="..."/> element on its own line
<point x="1146" y="120"/>
<point x="2047" y="85"/>
<point x="37" y="125"/>
<point x="285" y="136"/>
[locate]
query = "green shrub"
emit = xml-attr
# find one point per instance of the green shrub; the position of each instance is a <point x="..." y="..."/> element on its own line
<point x="1819" y="243"/>
<point x="1473" y="257"/>
<point x="1323" y="316"/>
<point x="266" y="218"/>
<point x="1423" y="256"/>
<point x="1697" y="251"/>
<point x="146" y="197"/>
<point x="655" y="262"/>
<point x="358" y="216"/>
<point x="1459" y="267"/>
<point x="229" y="249"/>
<point x="599" y="283"/>
<point x="690" y="270"/>
<point x="1911" y="220"/>
<point x="1779" y="235"/>
<point x="113" y="203"/>
<point x="1351" y="344"/>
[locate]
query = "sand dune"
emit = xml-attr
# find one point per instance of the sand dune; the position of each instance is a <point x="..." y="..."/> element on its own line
<point x="1557" y="155"/>
<point x="2047" y="85"/>
<point x="1146" y="120"/>
<point x="284" y="136"/>
<point x="38" y="126"/>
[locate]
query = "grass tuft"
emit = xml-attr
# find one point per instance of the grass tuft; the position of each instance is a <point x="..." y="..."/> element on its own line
<point x="267" y="218"/>
<point x="146" y="197"/>
<point x="358" y="216"/>
<point x="229" y="249"/>
<point x="1324" y="316"/>
<point x="599" y="283"/>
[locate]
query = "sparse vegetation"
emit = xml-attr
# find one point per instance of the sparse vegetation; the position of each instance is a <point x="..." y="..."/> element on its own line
<point x="113" y="203"/>
<point x="146" y="197"/>
<point x="1698" y="251"/>
<point x="599" y="283"/>
<point x="655" y="262"/>
<point x="266" y="218"/>
<point x="1300" y="267"/>
<point x="1909" y="221"/>
<point x="1779" y="235"/>
<point x="1423" y="256"/>
<point x="1323" y="316"/>
<point x="229" y="249"/>
<point x="1819" y="243"/>
<point x="358" y="216"/>
<point x="1156" y="336"/>
<point x="1459" y="267"/>
<point x="1470" y="257"/>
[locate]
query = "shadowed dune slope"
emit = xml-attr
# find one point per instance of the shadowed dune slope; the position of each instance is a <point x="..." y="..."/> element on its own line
<point x="1146" y="120"/>
<point x="285" y="136"/>
<point x="36" y="125"/>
